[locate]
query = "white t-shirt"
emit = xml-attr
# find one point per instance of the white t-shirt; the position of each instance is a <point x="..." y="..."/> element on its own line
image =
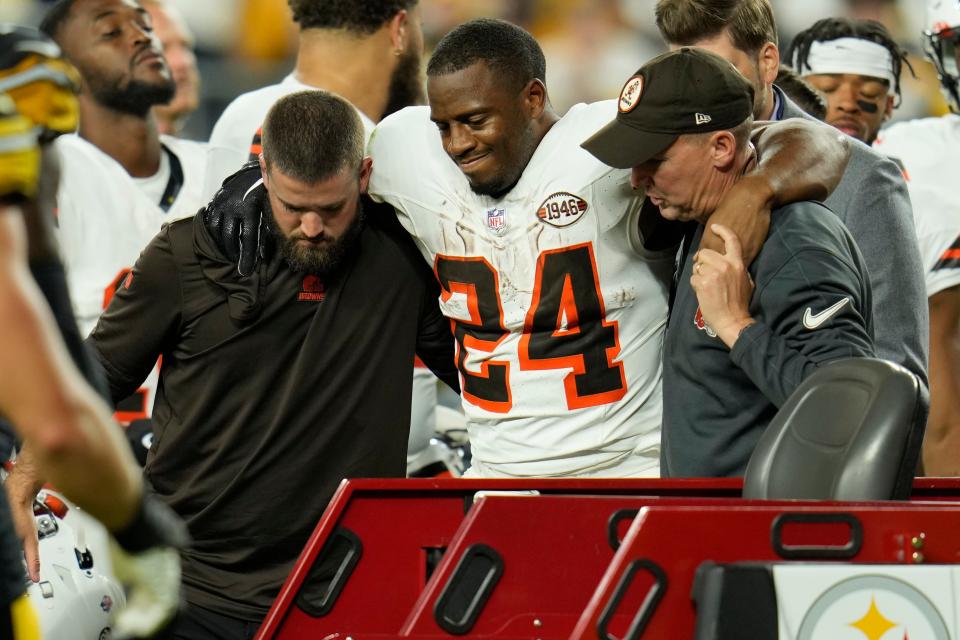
<point x="234" y="133"/>
<point x="929" y="149"/>
<point x="559" y="313"/>
<point x="105" y="220"/>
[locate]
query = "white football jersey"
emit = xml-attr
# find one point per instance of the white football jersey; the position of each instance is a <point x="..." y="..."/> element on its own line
<point x="937" y="216"/>
<point x="558" y="311"/>
<point x="104" y="222"/>
<point x="237" y="132"/>
<point x="929" y="149"/>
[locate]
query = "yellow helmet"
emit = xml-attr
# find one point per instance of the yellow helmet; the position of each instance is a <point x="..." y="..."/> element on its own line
<point x="41" y="83"/>
<point x="19" y="151"/>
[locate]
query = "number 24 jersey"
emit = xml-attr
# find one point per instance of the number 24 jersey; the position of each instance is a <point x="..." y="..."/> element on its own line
<point x="557" y="309"/>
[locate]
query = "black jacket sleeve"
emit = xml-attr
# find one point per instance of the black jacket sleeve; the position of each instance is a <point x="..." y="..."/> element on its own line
<point x="142" y="317"/>
<point x="814" y="309"/>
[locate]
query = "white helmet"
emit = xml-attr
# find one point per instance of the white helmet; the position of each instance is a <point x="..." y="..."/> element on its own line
<point x="940" y="39"/>
<point x="77" y="593"/>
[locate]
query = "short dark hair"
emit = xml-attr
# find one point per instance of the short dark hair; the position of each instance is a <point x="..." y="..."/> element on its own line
<point x="833" y="28"/>
<point x="55" y="16"/>
<point x="507" y="50"/>
<point x="750" y="22"/>
<point x="312" y="135"/>
<point x="801" y="92"/>
<point x="359" y="16"/>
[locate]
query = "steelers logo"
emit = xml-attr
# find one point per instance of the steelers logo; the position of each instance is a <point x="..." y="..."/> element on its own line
<point x="873" y="607"/>
<point x="630" y="95"/>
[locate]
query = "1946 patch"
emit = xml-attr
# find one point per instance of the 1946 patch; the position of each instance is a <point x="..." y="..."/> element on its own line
<point x="562" y="209"/>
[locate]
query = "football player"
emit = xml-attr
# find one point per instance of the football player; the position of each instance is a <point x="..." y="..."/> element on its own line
<point x="929" y="149"/>
<point x="556" y="293"/>
<point x="121" y="179"/>
<point x="856" y="64"/>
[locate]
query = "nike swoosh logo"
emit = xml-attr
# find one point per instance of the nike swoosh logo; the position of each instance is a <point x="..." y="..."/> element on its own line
<point x="812" y="320"/>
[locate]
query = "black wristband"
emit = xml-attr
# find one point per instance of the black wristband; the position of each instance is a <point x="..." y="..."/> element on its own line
<point x="154" y="525"/>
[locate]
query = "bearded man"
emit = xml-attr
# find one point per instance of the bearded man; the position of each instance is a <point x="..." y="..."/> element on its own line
<point x="335" y="312"/>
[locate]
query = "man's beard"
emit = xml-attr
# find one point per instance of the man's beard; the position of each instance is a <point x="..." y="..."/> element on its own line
<point x="406" y="87"/>
<point x="322" y="260"/>
<point x="136" y="97"/>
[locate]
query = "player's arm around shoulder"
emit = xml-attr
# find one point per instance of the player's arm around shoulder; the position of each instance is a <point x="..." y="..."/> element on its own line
<point x="796" y="160"/>
<point x="144" y="314"/>
<point x="812" y="303"/>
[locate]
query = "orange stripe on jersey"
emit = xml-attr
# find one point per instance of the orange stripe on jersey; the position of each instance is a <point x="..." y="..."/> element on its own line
<point x="949" y="254"/>
<point x="256" y="145"/>
<point x="949" y="259"/>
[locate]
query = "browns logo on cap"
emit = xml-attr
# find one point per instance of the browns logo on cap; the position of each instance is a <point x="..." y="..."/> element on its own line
<point x="630" y="95"/>
<point x="685" y="91"/>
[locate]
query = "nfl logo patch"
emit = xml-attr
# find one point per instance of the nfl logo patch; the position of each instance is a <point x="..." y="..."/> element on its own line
<point x="495" y="220"/>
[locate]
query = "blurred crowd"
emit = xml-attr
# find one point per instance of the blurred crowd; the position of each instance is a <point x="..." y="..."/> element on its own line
<point x="590" y="45"/>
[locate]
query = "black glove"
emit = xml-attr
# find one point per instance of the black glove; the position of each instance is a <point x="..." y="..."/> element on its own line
<point x="234" y="217"/>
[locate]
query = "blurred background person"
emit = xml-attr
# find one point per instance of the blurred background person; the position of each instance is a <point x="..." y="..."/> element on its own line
<point x="177" y="42"/>
<point x="856" y="64"/>
<point x="242" y="45"/>
<point x="121" y="178"/>
<point x="929" y="149"/>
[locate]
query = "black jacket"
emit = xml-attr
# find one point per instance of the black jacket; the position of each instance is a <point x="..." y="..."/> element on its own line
<point x="717" y="401"/>
<point x="272" y="389"/>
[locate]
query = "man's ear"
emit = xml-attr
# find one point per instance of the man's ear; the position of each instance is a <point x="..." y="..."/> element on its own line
<point x="535" y="98"/>
<point x="263" y="171"/>
<point x="723" y="149"/>
<point x="399" y="27"/>
<point x="768" y="63"/>
<point x="366" y="167"/>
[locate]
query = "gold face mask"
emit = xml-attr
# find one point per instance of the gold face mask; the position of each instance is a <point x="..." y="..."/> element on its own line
<point x="44" y="91"/>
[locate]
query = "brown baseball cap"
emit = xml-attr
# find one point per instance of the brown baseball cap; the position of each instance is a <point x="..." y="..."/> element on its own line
<point x="689" y="90"/>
